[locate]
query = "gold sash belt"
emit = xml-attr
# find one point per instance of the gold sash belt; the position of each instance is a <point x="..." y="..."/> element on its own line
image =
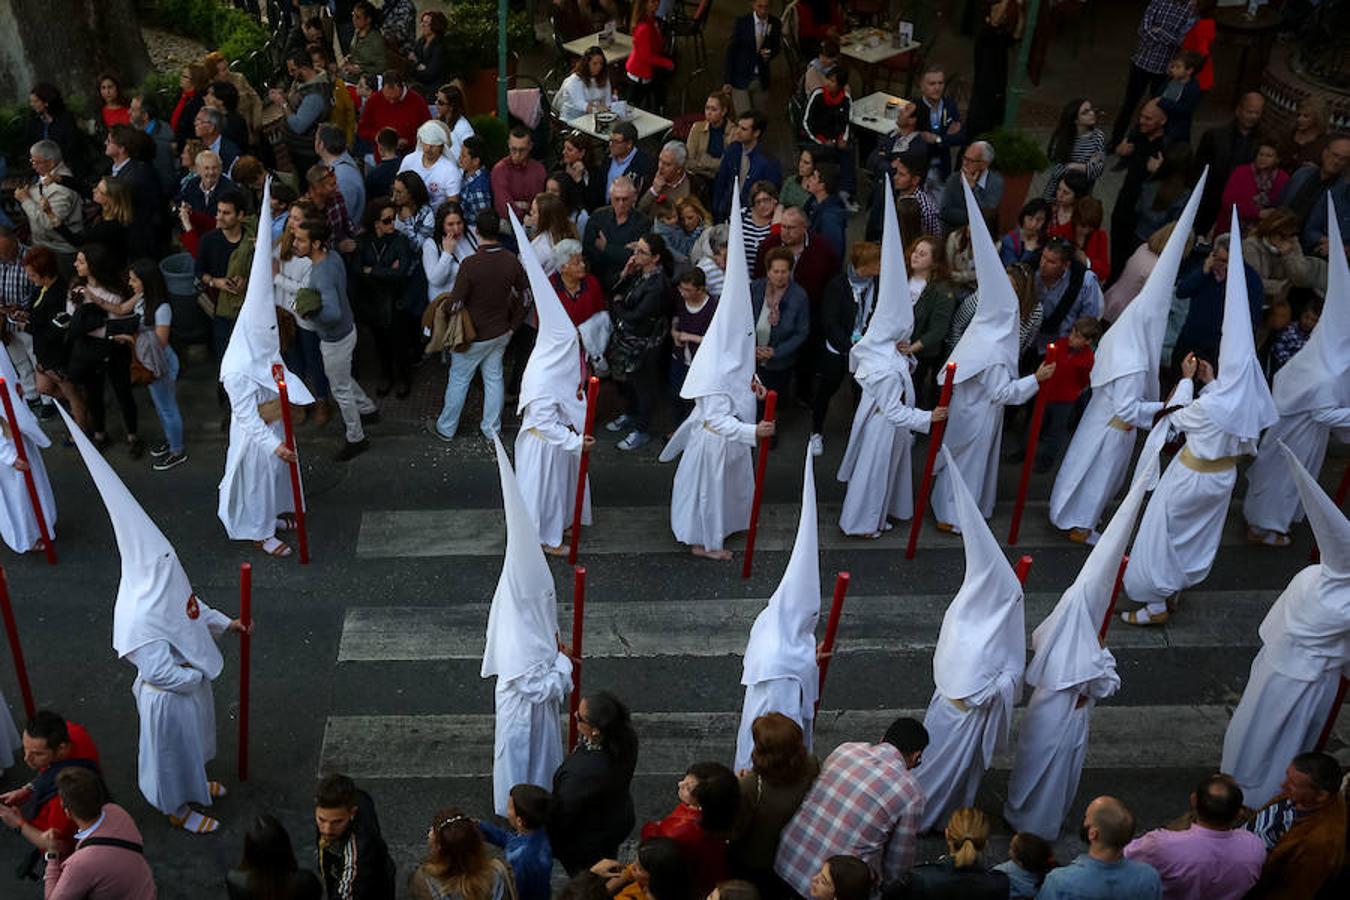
<point x="1210" y="466"/>
<point x="1120" y="424"/>
<point x="270" y="411"/>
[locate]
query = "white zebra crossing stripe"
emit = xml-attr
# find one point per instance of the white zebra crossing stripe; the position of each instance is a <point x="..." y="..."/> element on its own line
<point x="638" y="629"/>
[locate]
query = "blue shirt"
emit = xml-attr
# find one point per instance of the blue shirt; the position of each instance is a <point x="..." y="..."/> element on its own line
<point x="616" y="168"/>
<point x="1091" y="879"/>
<point x="530" y="856"/>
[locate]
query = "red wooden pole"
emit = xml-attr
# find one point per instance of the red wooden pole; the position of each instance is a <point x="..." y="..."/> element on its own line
<point x="48" y="545"/>
<point x="297" y="496"/>
<point x="1022" y="568"/>
<point x="1033" y="437"/>
<point x="578" y="627"/>
<point x="770" y="411"/>
<point x="1331" y="717"/>
<point x="934" y="444"/>
<point x="16" y="648"/>
<point x="592" y="395"/>
<point x="831" y="629"/>
<point x="1115" y="594"/>
<point x="245" y="641"/>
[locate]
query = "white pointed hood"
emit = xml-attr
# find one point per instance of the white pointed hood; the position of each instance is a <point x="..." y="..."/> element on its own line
<point x="984" y="629"/>
<point x="28" y="422"/>
<point x="155" y="601"/>
<point x="783" y="639"/>
<point x="1329" y="524"/>
<point x="893" y="318"/>
<point x="554" y="370"/>
<point x="1134" y="342"/>
<point x="255" y="345"/>
<point x="522" y="629"/>
<point x="1239" y="400"/>
<point x="991" y="339"/>
<point x="1318" y="376"/>
<point x="725" y="363"/>
<point x="1067" y="649"/>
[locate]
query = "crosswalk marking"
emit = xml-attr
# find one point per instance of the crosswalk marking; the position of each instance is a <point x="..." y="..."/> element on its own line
<point x="636" y="629"/>
<point x="411" y="533"/>
<point x="460" y="746"/>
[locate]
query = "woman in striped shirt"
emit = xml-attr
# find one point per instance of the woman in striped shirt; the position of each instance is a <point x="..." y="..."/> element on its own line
<point x="759" y="218"/>
<point x="1077" y="145"/>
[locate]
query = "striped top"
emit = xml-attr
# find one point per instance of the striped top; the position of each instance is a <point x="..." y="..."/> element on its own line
<point x="1089" y="150"/>
<point x="754" y="236"/>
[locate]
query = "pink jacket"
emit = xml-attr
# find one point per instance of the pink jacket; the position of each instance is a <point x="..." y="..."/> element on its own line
<point x="1241" y="192"/>
<point x="96" y="872"/>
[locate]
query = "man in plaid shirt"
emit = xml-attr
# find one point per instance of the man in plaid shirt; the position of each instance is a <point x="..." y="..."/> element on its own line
<point x="475" y="192"/>
<point x="1161" y="32"/>
<point x="865" y="803"/>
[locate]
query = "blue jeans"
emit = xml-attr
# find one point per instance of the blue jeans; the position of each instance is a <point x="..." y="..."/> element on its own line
<point x="487" y="354"/>
<point x="304" y="359"/>
<point x="162" y="394"/>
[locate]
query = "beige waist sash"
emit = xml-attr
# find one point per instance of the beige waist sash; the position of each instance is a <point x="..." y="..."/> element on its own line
<point x="1120" y="424"/>
<point x="1196" y="464"/>
<point x="270" y="411"/>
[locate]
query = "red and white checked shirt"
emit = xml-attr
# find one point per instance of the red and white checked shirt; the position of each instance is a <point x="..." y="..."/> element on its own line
<point x="865" y="803"/>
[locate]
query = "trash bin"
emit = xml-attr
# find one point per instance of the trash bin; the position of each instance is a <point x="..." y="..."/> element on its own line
<point x="180" y="274"/>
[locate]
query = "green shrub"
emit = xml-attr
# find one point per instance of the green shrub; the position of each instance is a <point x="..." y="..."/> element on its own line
<point x="215" y="23"/>
<point x="494" y="133"/>
<point x="1015" y="153"/>
<point x="471" y="36"/>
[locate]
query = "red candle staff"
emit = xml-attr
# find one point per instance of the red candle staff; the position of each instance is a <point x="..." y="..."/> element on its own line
<point x="770" y="411"/>
<point x="48" y="545"/>
<point x="578" y="622"/>
<point x="1331" y="716"/>
<point x="934" y="445"/>
<point x="592" y="393"/>
<point x="831" y="629"/>
<point x="16" y="648"/>
<point x="1022" y="568"/>
<point x="1115" y="595"/>
<point x="245" y="640"/>
<point x="1033" y="437"/>
<point x="302" y="536"/>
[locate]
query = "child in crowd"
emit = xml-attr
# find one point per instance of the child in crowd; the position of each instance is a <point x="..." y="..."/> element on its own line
<point x="1277" y="317"/>
<point x="1063" y="389"/>
<point x="527" y="850"/>
<point x="1294" y="336"/>
<point x="666" y="223"/>
<point x="1030" y="857"/>
<point x="1180" y="96"/>
<point x="1021" y="244"/>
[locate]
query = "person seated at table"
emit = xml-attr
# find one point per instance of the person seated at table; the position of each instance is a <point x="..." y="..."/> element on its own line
<point x="826" y="123"/>
<point x="587" y="88"/>
<point x="829" y="57"/>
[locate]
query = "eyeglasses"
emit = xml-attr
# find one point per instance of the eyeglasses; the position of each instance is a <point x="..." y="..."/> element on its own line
<point x="387" y="220"/>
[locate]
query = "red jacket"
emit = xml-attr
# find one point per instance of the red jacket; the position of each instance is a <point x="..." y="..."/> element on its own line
<point x="1201" y="39"/>
<point x="647" y="57"/>
<point x="705" y="854"/>
<point x="1098" y="249"/>
<point x="52" y="814"/>
<point x="1240" y="191"/>
<point x="1072" y="376"/>
<point x="404" y="116"/>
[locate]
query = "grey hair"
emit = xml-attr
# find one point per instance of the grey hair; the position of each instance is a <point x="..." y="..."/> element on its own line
<point x="215" y="117"/>
<point x="986" y="150"/>
<point x="678" y="150"/>
<point x="565" y="250"/>
<point x="718" y="237"/>
<point x="48" y="150"/>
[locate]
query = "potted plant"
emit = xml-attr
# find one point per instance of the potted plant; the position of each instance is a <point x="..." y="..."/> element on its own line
<point x="1017" y="158"/>
<point x="471" y="45"/>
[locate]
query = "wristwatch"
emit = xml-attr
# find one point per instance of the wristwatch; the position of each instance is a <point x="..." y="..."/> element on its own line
<point x="51" y="856"/>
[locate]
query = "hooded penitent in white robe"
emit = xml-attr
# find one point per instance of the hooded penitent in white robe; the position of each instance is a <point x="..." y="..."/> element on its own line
<point x="1124" y="391"/>
<point x="256" y="487"/>
<point x="553" y="411"/>
<point x="780" y="672"/>
<point x="1312" y="394"/>
<point x="977" y="667"/>
<point x="18" y="524"/>
<point x="1069" y="672"/>
<point x="1181" y="527"/>
<point x="169" y="635"/>
<point x="533" y="676"/>
<point x="876" y="463"/>
<point x="715" y="482"/>
<point x="986" y="381"/>
<point x="1305" y="649"/>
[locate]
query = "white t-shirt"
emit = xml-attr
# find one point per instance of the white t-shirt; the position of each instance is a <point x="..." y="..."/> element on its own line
<point x="442" y="178"/>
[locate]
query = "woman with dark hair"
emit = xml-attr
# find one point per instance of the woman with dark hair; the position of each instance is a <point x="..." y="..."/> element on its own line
<point x="592" y="807"/>
<point x="548" y="222"/>
<point x="101" y="284"/>
<point x="1077" y="145"/>
<point x="268" y="870"/>
<point x="112" y="108"/>
<point x="781" y="771"/>
<point x="641" y="310"/>
<point x="701" y="822"/>
<point x="50" y="345"/>
<point x="561" y="185"/>
<point x="1021" y="243"/>
<point x="151" y="344"/>
<point x="842" y="878"/>
<point x="659" y="872"/>
<point x="192" y="84"/>
<point x="367" y="54"/>
<point x="414" y="217"/>
<point x="1164" y="194"/>
<point x="444" y="252"/>
<point x="1084" y="230"/>
<point x="388" y="266"/>
<point x="52" y="121"/>
<point x="1254" y="187"/>
<point x="1071" y="187"/>
<point x="587" y="88"/>
<point x="453" y="114"/>
<point x="428" y="57"/>
<point x="457" y="864"/>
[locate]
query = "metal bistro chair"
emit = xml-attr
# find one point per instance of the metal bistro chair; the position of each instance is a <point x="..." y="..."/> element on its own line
<point x="685" y="26"/>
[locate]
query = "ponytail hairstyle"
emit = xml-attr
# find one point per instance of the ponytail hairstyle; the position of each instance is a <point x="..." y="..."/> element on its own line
<point x="967" y="833"/>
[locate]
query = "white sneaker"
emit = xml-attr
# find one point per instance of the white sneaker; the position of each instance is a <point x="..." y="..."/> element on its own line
<point x="817" y="445"/>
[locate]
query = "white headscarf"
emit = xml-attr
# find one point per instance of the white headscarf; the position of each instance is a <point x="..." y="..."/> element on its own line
<point x="255" y="345"/>
<point x="553" y="372"/>
<point x="783" y="639"/>
<point x="1134" y="341"/>
<point x="893" y="318"/>
<point x="28" y="423"/>
<point x="1239" y="400"/>
<point x="1067" y="649"/>
<point x="991" y="339"/>
<point x="522" y="629"/>
<point x="1318" y="376"/>
<point x="984" y="629"/>
<point x="155" y="601"/>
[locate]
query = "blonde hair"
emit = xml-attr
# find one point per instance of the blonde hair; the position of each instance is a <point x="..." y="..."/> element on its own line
<point x="117" y="204"/>
<point x="1158" y="240"/>
<point x="1316" y="106"/>
<point x="967" y="833"/>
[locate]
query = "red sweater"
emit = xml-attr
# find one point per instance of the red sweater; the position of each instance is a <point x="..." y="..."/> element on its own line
<point x="52" y="815"/>
<point x="1098" y="249"/>
<point x="705" y="854"/>
<point x="589" y="299"/>
<point x="646" y="57"/>
<point x="1071" y="378"/>
<point x="404" y="116"/>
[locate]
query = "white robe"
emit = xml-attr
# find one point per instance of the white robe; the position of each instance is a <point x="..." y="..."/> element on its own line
<point x="548" y="460"/>
<point x="528" y="746"/>
<point x="876" y="464"/>
<point x="781" y="695"/>
<point x="11" y="743"/>
<point x="974" y="436"/>
<point x="1272" y="500"/>
<point x="18" y="525"/>
<point x="1182" y="525"/>
<point x="1098" y="457"/>
<point x="256" y="487"/>
<point x="178" y="722"/>
<point x="961" y="747"/>
<point x="715" y="482"/>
